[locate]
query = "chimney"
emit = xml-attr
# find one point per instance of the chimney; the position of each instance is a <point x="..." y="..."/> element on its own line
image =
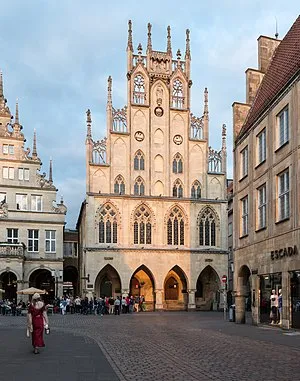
<point x="266" y="49"/>
<point x="240" y="112"/>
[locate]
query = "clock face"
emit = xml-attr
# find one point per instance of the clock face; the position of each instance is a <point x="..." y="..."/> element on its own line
<point x="139" y="136"/>
<point x="177" y="139"/>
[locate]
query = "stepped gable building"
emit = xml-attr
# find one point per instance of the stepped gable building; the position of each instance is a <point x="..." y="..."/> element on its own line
<point x="31" y="223"/>
<point x="154" y="221"/>
<point x="266" y="185"/>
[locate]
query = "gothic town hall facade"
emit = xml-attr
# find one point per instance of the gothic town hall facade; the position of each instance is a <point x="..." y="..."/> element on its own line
<point x="153" y="222"/>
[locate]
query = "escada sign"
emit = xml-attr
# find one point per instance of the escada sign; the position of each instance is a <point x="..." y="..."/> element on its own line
<point x="286" y="252"/>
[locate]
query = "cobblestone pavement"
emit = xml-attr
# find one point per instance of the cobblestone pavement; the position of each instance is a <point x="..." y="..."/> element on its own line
<point x="183" y="346"/>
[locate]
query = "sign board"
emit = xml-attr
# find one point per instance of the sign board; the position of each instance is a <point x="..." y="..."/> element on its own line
<point x="224" y="278"/>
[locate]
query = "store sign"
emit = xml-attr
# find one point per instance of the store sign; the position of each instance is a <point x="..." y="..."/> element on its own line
<point x="286" y="252"/>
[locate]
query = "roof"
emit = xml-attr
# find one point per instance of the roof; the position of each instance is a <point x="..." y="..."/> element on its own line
<point x="283" y="67"/>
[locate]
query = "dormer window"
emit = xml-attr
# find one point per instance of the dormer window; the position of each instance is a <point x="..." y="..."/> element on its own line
<point x="177" y="94"/>
<point x="139" y="93"/>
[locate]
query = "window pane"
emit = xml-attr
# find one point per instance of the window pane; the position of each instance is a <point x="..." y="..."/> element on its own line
<point x="5" y="172"/>
<point x="26" y="174"/>
<point x="11" y="149"/>
<point x="11" y="174"/>
<point x="175" y="231"/>
<point x="142" y="232"/>
<point x="169" y="232"/>
<point x="142" y="189"/>
<point x="142" y="163"/>
<point x="115" y="232"/>
<point x="201" y="234"/>
<point x="108" y="231"/>
<point x="136" y="233"/>
<point x="21" y="173"/>
<point x="148" y="233"/>
<point x="101" y="232"/>
<point x="206" y="232"/>
<point x="181" y="232"/>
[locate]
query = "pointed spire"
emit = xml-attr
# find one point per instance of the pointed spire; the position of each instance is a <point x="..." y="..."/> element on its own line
<point x="89" y="124"/>
<point x="169" y="47"/>
<point x="129" y="42"/>
<point x="187" y="46"/>
<point x="224" y="137"/>
<point x="149" y="44"/>
<point x="205" y="102"/>
<point x="1" y="84"/>
<point x="109" y="91"/>
<point x="50" y="172"/>
<point x="17" y="113"/>
<point x="34" y="151"/>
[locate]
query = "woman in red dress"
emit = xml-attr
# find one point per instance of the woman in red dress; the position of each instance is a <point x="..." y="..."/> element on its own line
<point x="37" y="321"/>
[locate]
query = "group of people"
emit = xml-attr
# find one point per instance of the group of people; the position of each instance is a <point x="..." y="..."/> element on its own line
<point x="8" y="307"/>
<point x="99" y="306"/>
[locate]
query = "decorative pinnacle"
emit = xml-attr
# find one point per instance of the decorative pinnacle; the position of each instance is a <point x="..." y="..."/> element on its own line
<point x="129" y="42"/>
<point x="178" y="55"/>
<point x="188" y="48"/>
<point x="169" y="46"/>
<point x="224" y="137"/>
<point x="205" y="101"/>
<point x="140" y="49"/>
<point x="149" y="44"/>
<point x="1" y="84"/>
<point x="89" y="124"/>
<point x="109" y="90"/>
<point x="17" y="113"/>
<point x="34" y="151"/>
<point x="50" y="172"/>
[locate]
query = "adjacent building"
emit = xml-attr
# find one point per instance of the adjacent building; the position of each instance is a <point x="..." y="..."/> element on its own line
<point x="266" y="184"/>
<point x="154" y="220"/>
<point x="71" y="281"/>
<point x="31" y="222"/>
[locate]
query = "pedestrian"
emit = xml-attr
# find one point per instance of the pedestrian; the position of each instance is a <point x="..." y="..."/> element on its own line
<point x="127" y="304"/>
<point x="131" y="304"/>
<point x="136" y="303"/>
<point x="111" y="305"/>
<point x="124" y="305"/>
<point x="117" y="306"/>
<point x="37" y="320"/>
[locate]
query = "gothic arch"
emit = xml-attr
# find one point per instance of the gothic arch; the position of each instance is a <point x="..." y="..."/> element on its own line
<point x="158" y="164"/>
<point x="147" y="206"/>
<point x="175" y="205"/>
<point x="177" y="189"/>
<point x="178" y="92"/>
<point x="158" y="188"/>
<point x="113" y="205"/>
<point x="119" y="185"/>
<point x="142" y="282"/>
<point x="8" y="269"/>
<point x="178" y="119"/>
<point x="108" y="281"/>
<point x="175" y="289"/>
<point x="207" y="287"/>
<point x="196" y="190"/>
<point x="208" y="226"/>
<point x="215" y="188"/>
<point x="139" y="121"/>
<point x="139" y="160"/>
<point x="177" y="163"/>
<point x="142" y="225"/>
<point x="158" y="137"/>
<point x="139" y="186"/>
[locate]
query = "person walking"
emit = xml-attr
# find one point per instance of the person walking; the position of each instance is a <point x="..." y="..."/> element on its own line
<point x="136" y="303"/>
<point x="111" y="305"/>
<point x="117" y="306"/>
<point x="37" y="320"/>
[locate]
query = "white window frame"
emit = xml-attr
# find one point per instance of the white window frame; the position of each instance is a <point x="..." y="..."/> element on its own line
<point x="245" y="216"/>
<point x="5" y="172"/>
<point x="22" y="201"/>
<point x="261" y="146"/>
<point x="11" y="173"/>
<point x="229" y="229"/>
<point x="262" y="206"/>
<point x="50" y="241"/>
<point x="283" y="126"/>
<point x="244" y="162"/>
<point x="11" y="149"/>
<point x="12" y="235"/>
<point x="23" y="174"/>
<point x="35" y="205"/>
<point x="5" y="149"/>
<point x="283" y="195"/>
<point x="2" y="197"/>
<point x="34" y="247"/>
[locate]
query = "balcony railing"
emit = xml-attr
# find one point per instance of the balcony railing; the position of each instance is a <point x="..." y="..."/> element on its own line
<point x="11" y="249"/>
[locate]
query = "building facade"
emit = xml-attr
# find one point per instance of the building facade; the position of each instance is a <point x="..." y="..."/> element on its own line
<point x="230" y="294"/>
<point x="154" y="221"/>
<point x="266" y="185"/>
<point x="71" y="273"/>
<point x="31" y="223"/>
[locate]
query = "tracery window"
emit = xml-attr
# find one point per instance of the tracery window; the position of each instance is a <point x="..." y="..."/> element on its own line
<point x="119" y="120"/>
<point x="196" y="190"/>
<point x="139" y="187"/>
<point x="142" y="226"/>
<point x="196" y="128"/>
<point x="207" y="227"/>
<point x="108" y="225"/>
<point x="99" y="152"/>
<point x="177" y="164"/>
<point x="139" y="93"/>
<point x="177" y="189"/>
<point x="214" y="161"/>
<point x="177" y="94"/>
<point x="119" y="186"/>
<point x="175" y="227"/>
<point x="139" y="161"/>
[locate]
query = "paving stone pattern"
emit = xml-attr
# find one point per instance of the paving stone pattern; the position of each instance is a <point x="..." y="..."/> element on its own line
<point x="178" y="346"/>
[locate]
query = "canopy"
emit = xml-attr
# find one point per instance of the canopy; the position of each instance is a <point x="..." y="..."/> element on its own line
<point x="31" y="291"/>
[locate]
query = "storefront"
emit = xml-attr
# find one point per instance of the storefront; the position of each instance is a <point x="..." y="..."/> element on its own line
<point x="295" y="298"/>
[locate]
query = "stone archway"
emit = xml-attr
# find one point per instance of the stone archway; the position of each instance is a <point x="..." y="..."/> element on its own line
<point x="8" y="286"/>
<point x="208" y="286"/>
<point x="175" y="290"/>
<point x="142" y="284"/>
<point x="108" y="282"/>
<point x="243" y="293"/>
<point x="70" y="285"/>
<point x="43" y="279"/>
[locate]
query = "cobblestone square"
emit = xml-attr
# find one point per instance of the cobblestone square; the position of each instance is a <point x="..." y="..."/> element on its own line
<point x="152" y="346"/>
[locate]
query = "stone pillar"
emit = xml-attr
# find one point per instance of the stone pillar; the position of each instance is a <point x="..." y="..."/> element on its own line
<point x="59" y="290"/>
<point x="240" y="317"/>
<point x="255" y="282"/>
<point x="159" y="300"/>
<point x="191" y="303"/>
<point x="286" y="308"/>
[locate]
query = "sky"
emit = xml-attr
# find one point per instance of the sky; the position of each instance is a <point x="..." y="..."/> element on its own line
<point x="56" y="56"/>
